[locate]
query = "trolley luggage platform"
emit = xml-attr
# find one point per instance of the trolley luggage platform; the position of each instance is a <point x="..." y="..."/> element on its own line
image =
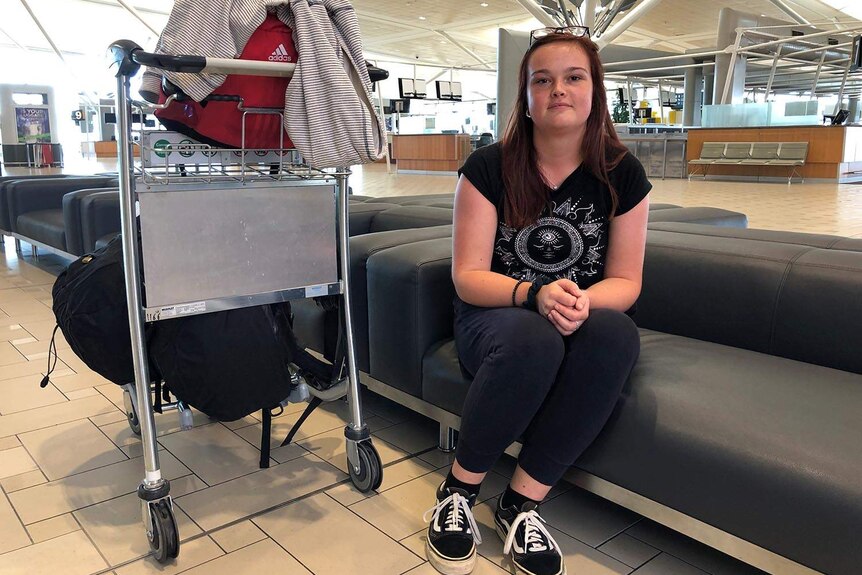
<point x="218" y="229"/>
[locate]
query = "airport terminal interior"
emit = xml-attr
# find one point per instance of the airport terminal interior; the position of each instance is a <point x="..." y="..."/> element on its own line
<point x="714" y="98"/>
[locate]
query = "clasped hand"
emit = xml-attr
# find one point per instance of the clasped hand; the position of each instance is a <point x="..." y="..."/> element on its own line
<point x="565" y="305"/>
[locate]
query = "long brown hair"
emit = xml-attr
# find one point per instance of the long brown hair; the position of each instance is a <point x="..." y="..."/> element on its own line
<point x="526" y="193"/>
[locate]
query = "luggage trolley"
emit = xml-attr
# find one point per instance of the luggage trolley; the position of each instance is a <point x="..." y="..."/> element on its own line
<point x="251" y="219"/>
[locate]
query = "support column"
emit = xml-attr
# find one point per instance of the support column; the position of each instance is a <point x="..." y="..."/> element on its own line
<point x="589" y="13"/>
<point x="726" y="64"/>
<point x="708" y="88"/>
<point x="693" y="99"/>
<point x="854" y="108"/>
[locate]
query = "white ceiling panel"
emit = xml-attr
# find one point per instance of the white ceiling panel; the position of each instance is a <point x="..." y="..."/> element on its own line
<point x="451" y="33"/>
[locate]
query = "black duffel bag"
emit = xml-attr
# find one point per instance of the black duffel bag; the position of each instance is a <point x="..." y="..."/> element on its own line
<point x="89" y="303"/>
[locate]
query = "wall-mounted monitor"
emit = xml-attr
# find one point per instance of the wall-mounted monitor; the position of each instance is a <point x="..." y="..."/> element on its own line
<point x="406" y="88"/>
<point x="841" y="117"/>
<point x="397" y="106"/>
<point x="448" y="90"/>
<point x="444" y="90"/>
<point x="672" y="100"/>
<point x="111" y="118"/>
<point x="419" y="89"/>
<point x="456" y="90"/>
<point x="491" y="108"/>
<point x="411" y="88"/>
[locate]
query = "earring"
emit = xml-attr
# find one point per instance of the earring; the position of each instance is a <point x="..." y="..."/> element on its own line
<point x="528" y="115"/>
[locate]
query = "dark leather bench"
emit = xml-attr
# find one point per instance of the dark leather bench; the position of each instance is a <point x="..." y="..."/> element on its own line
<point x="5" y="220"/>
<point x="813" y="240"/>
<point x="35" y="210"/>
<point x="376" y="225"/>
<point x="741" y="422"/>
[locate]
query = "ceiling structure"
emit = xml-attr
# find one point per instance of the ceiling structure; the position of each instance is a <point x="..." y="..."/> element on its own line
<point x="449" y="33"/>
<point x="407" y="29"/>
<point x="446" y="33"/>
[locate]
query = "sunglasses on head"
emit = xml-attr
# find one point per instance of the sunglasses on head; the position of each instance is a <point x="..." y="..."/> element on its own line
<point x="570" y="30"/>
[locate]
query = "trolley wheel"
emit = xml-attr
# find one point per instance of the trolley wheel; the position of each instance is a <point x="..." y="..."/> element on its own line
<point x="165" y="539"/>
<point x="131" y="415"/>
<point x="370" y="474"/>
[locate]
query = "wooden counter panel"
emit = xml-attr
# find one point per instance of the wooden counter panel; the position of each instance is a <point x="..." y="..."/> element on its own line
<point x="433" y="151"/>
<point x="108" y="149"/>
<point x="430" y="165"/>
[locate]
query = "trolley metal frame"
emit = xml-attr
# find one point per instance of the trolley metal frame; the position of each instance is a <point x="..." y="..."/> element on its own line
<point x="154" y="491"/>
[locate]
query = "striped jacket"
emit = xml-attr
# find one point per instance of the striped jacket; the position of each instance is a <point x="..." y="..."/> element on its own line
<point x="328" y="111"/>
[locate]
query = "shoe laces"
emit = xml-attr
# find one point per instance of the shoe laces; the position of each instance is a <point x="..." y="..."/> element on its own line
<point x="458" y="512"/>
<point x="536" y="535"/>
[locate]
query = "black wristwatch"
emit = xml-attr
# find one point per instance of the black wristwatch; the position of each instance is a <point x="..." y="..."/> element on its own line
<point x="537" y="284"/>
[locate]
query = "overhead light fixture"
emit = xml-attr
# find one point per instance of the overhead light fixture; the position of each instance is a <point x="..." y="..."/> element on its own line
<point x="421" y="17"/>
<point x="484" y="4"/>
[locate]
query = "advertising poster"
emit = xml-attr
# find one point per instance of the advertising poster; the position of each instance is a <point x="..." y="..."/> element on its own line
<point x="33" y="125"/>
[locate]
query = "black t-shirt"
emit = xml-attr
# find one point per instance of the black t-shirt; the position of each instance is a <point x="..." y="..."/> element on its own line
<point x="570" y="238"/>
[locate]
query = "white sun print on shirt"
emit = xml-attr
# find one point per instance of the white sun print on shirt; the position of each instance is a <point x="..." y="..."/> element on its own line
<point x="566" y="243"/>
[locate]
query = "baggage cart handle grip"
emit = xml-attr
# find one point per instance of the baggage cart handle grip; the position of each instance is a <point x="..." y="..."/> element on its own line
<point x="128" y="57"/>
<point x="189" y="64"/>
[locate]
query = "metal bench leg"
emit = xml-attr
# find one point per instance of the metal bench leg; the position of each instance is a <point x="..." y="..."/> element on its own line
<point x="692" y="173"/>
<point x="793" y="171"/>
<point x="447" y="439"/>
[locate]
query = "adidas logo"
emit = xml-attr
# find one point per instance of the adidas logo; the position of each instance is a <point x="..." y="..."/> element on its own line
<point x="280" y="55"/>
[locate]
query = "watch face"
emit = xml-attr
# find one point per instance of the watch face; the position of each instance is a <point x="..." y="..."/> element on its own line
<point x="549" y="245"/>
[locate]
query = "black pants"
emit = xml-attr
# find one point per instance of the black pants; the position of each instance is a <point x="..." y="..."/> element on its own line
<point x="530" y="382"/>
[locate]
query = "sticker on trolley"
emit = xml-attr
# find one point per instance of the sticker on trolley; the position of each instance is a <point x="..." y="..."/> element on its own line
<point x="316" y="291"/>
<point x="165" y="148"/>
<point x="268" y="157"/>
<point x="181" y="309"/>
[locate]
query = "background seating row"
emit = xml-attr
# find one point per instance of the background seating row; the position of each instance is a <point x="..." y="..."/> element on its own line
<point x="789" y="154"/>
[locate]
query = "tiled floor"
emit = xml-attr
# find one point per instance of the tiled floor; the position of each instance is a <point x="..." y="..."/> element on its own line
<point x="69" y="465"/>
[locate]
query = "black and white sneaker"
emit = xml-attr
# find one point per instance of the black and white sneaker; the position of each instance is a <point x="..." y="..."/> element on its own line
<point x="452" y="533"/>
<point x="533" y="550"/>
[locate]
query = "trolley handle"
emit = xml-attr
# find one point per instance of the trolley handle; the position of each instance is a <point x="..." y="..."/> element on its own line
<point x="129" y="57"/>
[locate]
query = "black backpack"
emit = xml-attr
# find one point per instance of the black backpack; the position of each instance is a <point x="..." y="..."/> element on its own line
<point x="91" y="311"/>
<point x="231" y="363"/>
<point x="226" y="364"/>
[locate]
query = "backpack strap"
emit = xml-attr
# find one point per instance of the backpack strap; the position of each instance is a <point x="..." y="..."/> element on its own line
<point x="266" y="429"/>
<point x="52" y="349"/>
<point x="161" y="392"/>
<point x="312" y="405"/>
